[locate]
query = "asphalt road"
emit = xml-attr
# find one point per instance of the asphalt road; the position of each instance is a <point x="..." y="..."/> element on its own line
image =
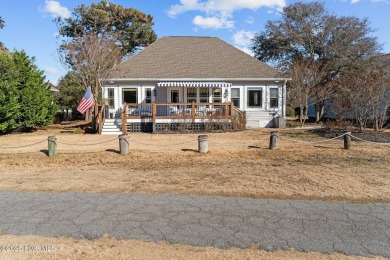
<point x="354" y="229"/>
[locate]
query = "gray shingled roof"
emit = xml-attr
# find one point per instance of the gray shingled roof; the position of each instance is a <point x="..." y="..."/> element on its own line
<point x="191" y="58"/>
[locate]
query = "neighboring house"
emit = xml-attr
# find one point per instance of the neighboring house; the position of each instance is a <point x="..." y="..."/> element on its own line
<point x="54" y="89"/>
<point x="197" y="77"/>
<point x="382" y="61"/>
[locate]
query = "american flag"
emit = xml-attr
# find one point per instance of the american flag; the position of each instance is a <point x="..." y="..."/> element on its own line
<point x="86" y="102"/>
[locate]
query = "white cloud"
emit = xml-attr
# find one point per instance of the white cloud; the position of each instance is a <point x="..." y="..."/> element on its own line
<point x="56" y="10"/>
<point x="243" y="38"/>
<point x="372" y="1"/>
<point x="212" y="22"/>
<point x="51" y="70"/>
<point x="219" y="13"/>
<point x="222" y="6"/>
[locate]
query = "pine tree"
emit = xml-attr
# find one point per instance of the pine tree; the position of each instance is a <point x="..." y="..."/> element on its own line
<point x="9" y="105"/>
<point x="25" y="98"/>
<point x="37" y="106"/>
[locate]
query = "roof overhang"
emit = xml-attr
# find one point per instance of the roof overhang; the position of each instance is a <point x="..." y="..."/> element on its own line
<point x="194" y="84"/>
<point x="113" y="80"/>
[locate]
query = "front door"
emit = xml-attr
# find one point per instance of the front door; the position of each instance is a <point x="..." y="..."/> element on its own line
<point x="130" y="95"/>
<point x="174" y="95"/>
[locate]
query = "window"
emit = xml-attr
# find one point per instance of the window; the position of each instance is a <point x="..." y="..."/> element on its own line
<point x="204" y="95"/>
<point x="217" y="95"/>
<point x="255" y="98"/>
<point x="274" y="97"/>
<point x="148" y="95"/>
<point x="236" y="97"/>
<point x="110" y="97"/>
<point x="191" y="95"/>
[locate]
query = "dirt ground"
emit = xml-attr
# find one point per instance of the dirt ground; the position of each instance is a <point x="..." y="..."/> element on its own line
<point x="238" y="164"/>
<point x="31" y="247"/>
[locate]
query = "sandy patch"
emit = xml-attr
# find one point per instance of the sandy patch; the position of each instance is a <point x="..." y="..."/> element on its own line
<point x="34" y="247"/>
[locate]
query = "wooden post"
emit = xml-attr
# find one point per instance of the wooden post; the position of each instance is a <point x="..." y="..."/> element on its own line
<point x="347" y="141"/>
<point x="124" y="144"/>
<point x="52" y="146"/>
<point x="124" y="119"/>
<point x="154" y="114"/>
<point x="232" y="111"/>
<point x="273" y="140"/>
<point x="193" y="112"/>
<point x="203" y="143"/>
<point x="100" y="122"/>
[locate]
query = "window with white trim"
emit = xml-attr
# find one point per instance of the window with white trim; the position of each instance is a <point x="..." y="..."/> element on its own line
<point x="255" y="98"/>
<point x="191" y="95"/>
<point x="274" y="98"/>
<point x="204" y="95"/>
<point x="110" y="97"/>
<point x="235" y="92"/>
<point x="148" y="95"/>
<point x="217" y="95"/>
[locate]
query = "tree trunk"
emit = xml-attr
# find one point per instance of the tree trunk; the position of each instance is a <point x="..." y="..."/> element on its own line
<point x="319" y="108"/>
<point x="301" y="116"/>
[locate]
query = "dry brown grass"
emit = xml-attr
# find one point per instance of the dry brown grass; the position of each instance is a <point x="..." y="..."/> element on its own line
<point x="238" y="164"/>
<point x="110" y="248"/>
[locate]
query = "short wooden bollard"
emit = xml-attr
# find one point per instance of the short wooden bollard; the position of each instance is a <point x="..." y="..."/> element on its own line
<point x="273" y="140"/>
<point x="124" y="144"/>
<point x="347" y="141"/>
<point x="203" y="143"/>
<point x="52" y="146"/>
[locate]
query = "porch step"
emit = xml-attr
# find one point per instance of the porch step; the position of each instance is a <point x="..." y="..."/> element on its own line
<point x="112" y="127"/>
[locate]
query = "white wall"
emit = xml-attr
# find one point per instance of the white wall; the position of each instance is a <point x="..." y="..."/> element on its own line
<point x="256" y="117"/>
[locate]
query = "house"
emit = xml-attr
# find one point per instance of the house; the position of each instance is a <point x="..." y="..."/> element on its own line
<point x="194" y="81"/>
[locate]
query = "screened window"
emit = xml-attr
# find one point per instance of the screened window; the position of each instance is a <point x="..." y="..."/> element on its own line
<point x="217" y="95"/>
<point x="110" y="97"/>
<point x="255" y="98"/>
<point x="236" y="97"/>
<point x="204" y="95"/>
<point x="274" y="98"/>
<point x="191" y="95"/>
<point x="148" y="95"/>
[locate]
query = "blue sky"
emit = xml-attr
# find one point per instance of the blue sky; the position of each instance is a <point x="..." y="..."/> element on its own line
<point x="29" y="24"/>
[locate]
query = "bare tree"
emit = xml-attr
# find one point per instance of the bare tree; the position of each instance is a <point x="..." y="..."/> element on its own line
<point x="380" y="84"/>
<point x="306" y="75"/>
<point x="364" y="97"/>
<point x="91" y="57"/>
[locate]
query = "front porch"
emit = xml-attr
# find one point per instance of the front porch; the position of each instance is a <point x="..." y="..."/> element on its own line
<point x="175" y="117"/>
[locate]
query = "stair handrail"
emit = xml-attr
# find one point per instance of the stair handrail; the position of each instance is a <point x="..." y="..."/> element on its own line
<point x="101" y="117"/>
<point x="240" y="116"/>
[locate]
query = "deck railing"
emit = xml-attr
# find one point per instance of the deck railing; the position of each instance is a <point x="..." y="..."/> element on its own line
<point x="187" y="112"/>
<point x="178" y="110"/>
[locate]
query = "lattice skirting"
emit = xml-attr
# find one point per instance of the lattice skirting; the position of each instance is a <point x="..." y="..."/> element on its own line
<point x="178" y="127"/>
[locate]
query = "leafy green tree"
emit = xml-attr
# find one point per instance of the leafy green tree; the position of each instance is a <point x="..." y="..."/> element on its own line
<point x="25" y="98"/>
<point x="308" y="32"/>
<point x="131" y="28"/>
<point x="37" y="106"/>
<point x="9" y="103"/>
<point x="71" y="91"/>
